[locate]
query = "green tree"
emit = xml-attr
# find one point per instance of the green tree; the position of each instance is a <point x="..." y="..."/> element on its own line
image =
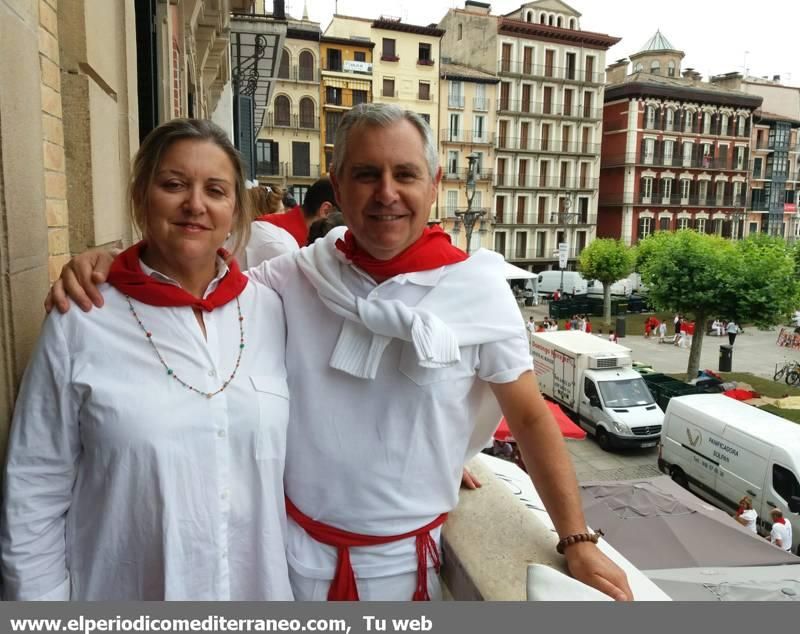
<point x="607" y="261"/>
<point x="701" y="276"/>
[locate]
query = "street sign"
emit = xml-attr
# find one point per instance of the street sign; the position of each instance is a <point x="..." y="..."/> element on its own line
<point x="563" y="254"/>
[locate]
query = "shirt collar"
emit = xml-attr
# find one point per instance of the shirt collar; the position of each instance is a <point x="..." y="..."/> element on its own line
<point x="222" y="271"/>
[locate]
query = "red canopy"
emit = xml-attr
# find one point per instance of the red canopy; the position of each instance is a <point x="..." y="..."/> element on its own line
<point x="568" y="428"/>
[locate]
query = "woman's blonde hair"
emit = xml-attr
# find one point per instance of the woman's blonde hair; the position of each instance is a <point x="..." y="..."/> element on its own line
<point x="148" y="159"/>
<point x="265" y="200"/>
<point x="746" y="503"/>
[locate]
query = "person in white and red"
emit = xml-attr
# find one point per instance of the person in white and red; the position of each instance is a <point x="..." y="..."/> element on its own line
<point x="781" y="532"/>
<point x="416" y="350"/>
<point x="275" y="234"/>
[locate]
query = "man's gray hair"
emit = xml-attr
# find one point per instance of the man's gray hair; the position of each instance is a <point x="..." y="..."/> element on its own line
<point x="382" y="115"/>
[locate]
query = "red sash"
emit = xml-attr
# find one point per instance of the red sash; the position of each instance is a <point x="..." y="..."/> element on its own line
<point x="127" y="277"/>
<point x="343" y="587"/>
<point x="430" y="251"/>
<point x="293" y="221"/>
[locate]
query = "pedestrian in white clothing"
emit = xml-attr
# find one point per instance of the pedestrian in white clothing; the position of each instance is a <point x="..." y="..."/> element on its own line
<point x="146" y="453"/>
<point x="781" y="533"/>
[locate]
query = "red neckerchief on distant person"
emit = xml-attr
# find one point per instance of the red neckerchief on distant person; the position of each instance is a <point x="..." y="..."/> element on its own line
<point x="292" y="221"/>
<point x="780" y="520"/>
<point x="127" y="277"/>
<point x="430" y="251"/>
<point x="343" y="586"/>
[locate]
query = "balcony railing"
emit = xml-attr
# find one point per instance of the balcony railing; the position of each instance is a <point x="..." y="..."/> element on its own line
<point x="680" y="127"/>
<point x="659" y="200"/>
<point x="546" y="145"/>
<point x="549" y="109"/>
<point x="461" y="173"/>
<point x="563" y="73"/>
<point x="545" y="219"/>
<point x="347" y="66"/>
<point x="450" y="212"/>
<point x="292" y="170"/>
<point x="346" y="98"/>
<point x="298" y="74"/>
<point x="480" y="104"/>
<point x="466" y="136"/>
<point x="455" y="101"/>
<point x="545" y="254"/>
<point x="644" y="158"/>
<point x="292" y="122"/>
<point x="531" y="181"/>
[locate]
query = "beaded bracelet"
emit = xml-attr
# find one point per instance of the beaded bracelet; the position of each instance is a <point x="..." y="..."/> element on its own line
<point x="564" y="542"/>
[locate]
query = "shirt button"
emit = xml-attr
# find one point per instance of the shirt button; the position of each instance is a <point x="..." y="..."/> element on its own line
<point x="221" y="433"/>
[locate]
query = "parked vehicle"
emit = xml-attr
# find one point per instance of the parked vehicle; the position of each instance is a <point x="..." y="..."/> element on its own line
<point x="549" y="282"/>
<point x="621" y="287"/>
<point x="593" y="379"/>
<point x="723" y="449"/>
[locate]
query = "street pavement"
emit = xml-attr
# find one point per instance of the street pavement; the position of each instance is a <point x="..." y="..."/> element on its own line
<point x="755" y="351"/>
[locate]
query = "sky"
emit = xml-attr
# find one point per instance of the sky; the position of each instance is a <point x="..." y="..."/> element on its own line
<point x="718" y="36"/>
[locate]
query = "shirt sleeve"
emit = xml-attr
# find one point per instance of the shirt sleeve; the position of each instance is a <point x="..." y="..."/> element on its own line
<point x="505" y="361"/>
<point x="43" y="451"/>
<point x="265" y="246"/>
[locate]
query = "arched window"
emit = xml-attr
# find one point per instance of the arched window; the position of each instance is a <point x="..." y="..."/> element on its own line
<point x="638" y="68"/>
<point x="306" y="66"/>
<point x="529" y="16"/>
<point x="543" y="18"/>
<point x="671" y="69"/>
<point x="550" y="20"/>
<point x="307" y="113"/>
<point x="559" y="21"/>
<point x="283" y="69"/>
<point x="655" y="68"/>
<point x="283" y="110"/>
<point x="572" y="23"/>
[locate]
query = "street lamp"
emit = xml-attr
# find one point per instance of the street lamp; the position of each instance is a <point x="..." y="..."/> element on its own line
<point x="469" y="216"/>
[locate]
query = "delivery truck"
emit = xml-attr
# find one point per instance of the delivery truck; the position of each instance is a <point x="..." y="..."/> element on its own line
<point x="593" y="379"/>
<point x="723" y="449"/>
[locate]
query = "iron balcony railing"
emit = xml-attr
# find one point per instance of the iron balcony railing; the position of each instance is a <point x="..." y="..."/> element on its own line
<point x="466" y="136"/>
<point x="679" y="126"/>
<point x="292" y="121"/>
<point x="284" y="168"/>
<point x="672" y="200"/>
<point x="300" y="73"/>
<point x="345" y="98"/>
<point x="450" y="212"/>
<point x="644" y="158"/>
<point x="455" y="101"/>
<point x="347" y="66"/>
<point x="546" y="145"/>
<point x="549" y="109"/>
<point x="535" y="181"/>
<point x="546" y="71"/>
<point x="480" y="104"/>
<point x="513" y="254"/>
<point x="545" y="219"/>
<point x="461" y="173"/>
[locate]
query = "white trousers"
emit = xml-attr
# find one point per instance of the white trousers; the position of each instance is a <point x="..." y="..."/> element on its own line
<point x="392" y="588"/>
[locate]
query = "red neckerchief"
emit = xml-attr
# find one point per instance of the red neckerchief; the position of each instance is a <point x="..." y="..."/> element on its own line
<point x="293" y="221"/>
<point x="430" y="251"/>
<point x="127" y="277"/>
<point x="780" y="520"/>
<point x="343" y="587"/>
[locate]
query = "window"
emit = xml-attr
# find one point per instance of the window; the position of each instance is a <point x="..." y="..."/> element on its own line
<point x="720" y="192"/>
<point x="649" y="151"/>
<point x="572" y="23"/>
<point x="547" y="100"/>
<point x="388" y="87"/>
<point x="527" y="60"/>
<point x="460" y="31"/>
<point x="683" y="223"/>
<point x="666" y="190"/>
<point x="452" y="202"/>
<point x="647" y="189"/>
<point x="424" y="91"/>
<point x="587" y="104"/>
<point x="707" y="123"/>
<point x="545" y="137"/>
<point x="307" y="113"/>
<point x="424" y="57"/>
<point x="589" y="71"/>
<point x="505" y="91"/>
<point x="687" y="121"/>
<point x="655" y="68"/>
<point x="685" y="188"/>
<point x="723" y="126"/>
<point x="283" y="110"/>
<point x="549" y="62"/>
<point x="455" y="94"/>
<point x="301" y="161"/>
<point x="505" y="58"/>
<point x="529" y="16"/>
<point x="522" y="173"/>
<point x="455" y="127"/>
<point x="360" y="96"/>
<point x="737" y="194"/>
<point x="480" y="102"/>
<point x="645" y="227"/>
<point x="741" y="126"/>
<point x="478" y="129"/>
<point x="334" y="59"/>
<point x="499" y="209"/>
<point x="702" y="187"/>
<point x="664" y="223"/>
<point x="687" y="153"/>
<point x="521" y="245"/>
<point x="570" y="69"/>
<point x="668" y="146"/>
<point x="500" y="243"/>
<point x="328" y="160"/>
<point x="306" y="66"/>
<point x="757" y="164"/>
<point x="700" y="225"/>
<point x="740" y="160"/>
<point x="333" y="95"/>
<point x="332" y="120"/>
<point x="650" y="122"/>
<point x="452" y="162"/>
<point x="283" y="69"/>
<point x="388" y="50"/>
<point x="359" y="56"/>
<point x="670" y="119"/>
<point x="267" y="163"/>
<point x="638" y="68"/>
<point x="671" y="69"/>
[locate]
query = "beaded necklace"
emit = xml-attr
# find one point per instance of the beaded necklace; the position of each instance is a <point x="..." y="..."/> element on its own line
<point x="171" y="372"/>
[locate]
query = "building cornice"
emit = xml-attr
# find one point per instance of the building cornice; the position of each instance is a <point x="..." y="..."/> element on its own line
<point x="633" y="89"/>
<point x="391" y="25"/>
<point x="530" y="30"/>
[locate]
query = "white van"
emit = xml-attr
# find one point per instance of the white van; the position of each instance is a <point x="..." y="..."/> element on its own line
<point x="549" y="282"/>
<point x="722" y="449"/>
<point x="620" y="287"/>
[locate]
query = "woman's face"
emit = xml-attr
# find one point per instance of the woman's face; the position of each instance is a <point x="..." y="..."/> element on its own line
<point x="191" y="202"/>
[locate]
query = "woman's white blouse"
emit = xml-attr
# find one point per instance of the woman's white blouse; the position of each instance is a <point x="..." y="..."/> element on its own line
<point x="123" y="484"/>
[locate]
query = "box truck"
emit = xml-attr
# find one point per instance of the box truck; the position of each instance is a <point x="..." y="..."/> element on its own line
<point x="568" y="282"/>
<point x="593" y="379"/>
<point x="723" y="449"/>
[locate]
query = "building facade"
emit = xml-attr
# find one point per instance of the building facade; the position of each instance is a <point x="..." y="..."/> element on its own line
<point x="548" y="122"/>
<point x="288" y="143"/>
<point x="675" y="150"/>
<point x="467" y="97"/>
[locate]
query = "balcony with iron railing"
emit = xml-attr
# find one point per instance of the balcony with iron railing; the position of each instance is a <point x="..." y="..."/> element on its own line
<point x="461" y="173"/>
<point x="480" y="104"/>
<point x="533" y="254"/>
<point x="526" y="144"/>
<point x="296" y="73"/>
<point x="545" y="219"/>
<point x="266" y="169"/>
<point x="672" y="200"/>
<point x="455" y="101"/>
<point x="347" y="66"/>
<point x="535" y="181"/>
<point x="730" y="163"/>
<point x="449" y="213"/>
<point x="345" y="98"/>
<point x="678" y="126"/>
<point x="470" y="137"/>
<point x="546" y="71"/>
<point x="548" y="109"/>
<point x="292" y="121"/>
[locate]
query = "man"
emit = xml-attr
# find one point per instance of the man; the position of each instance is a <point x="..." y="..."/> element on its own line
<point x="781" y="533"/>
<point x="275" y="234"/>
<point x="414" y="346"/>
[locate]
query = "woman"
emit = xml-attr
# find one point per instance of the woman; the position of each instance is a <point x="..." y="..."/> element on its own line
<point x="265" y="200"/>
<point x="732" y="329"/>
<point x="146" y="455"/>
<point x="746" y="515"/>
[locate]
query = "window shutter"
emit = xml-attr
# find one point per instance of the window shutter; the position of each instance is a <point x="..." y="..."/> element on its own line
<point x="246" y="138"/>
